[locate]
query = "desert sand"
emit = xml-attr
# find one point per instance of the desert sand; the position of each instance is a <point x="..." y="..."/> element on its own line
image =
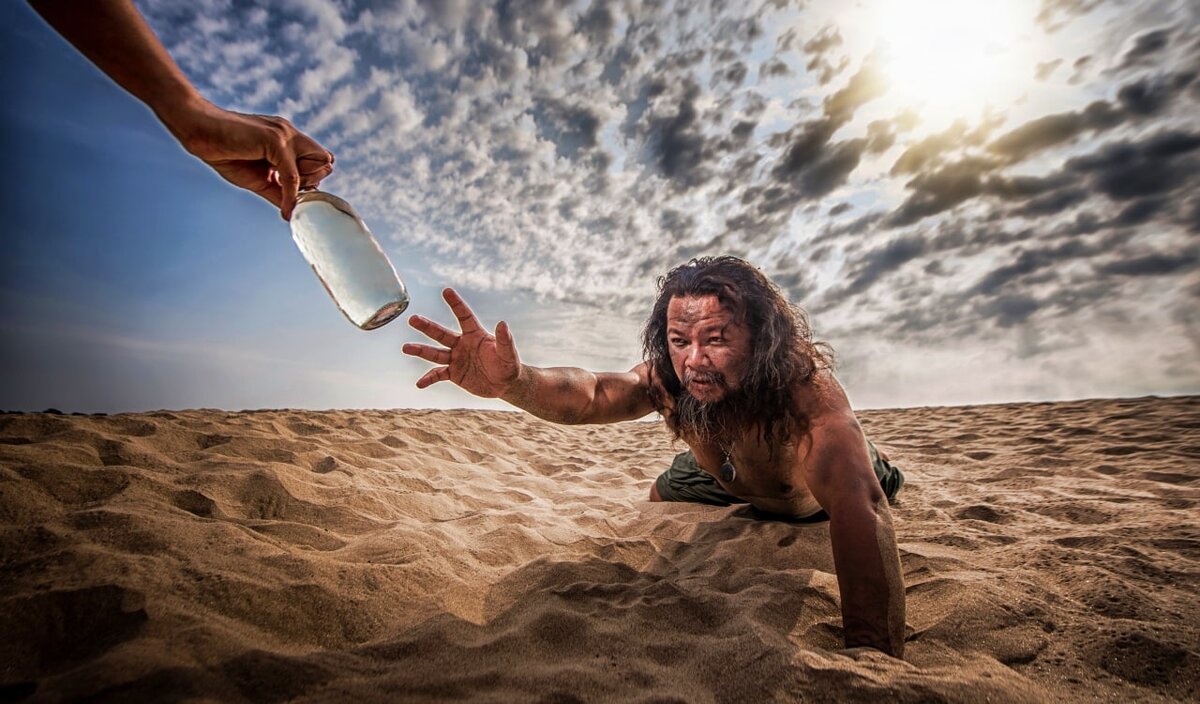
<point x="1051" y="552"/>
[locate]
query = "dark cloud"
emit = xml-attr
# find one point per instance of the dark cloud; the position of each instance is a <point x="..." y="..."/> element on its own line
<point x="743" y="129"/>
<point x="679" y="225"/>
<point x="1124" y="170"/>
<point x="941" y="190"/>
<point x="1140" y="211"/>
<point x="1156" y="264"/>
<point x="1009" y="309"/>
<point x="832" y="169"/>
<point x="877" y="263"/>
<point x="570" y="127"/>
<point x="598" y="23"/>
<point x="864" y="86"/>
<point x="1052" y="130"/>
<point x="678" y="146"/>
<point x="1151" y="96"/>
<point x="1042" y="263"/>
<point x="1046" y="68"/>
<point x="929" y="150"/>
<point x="1025" y="187"/>
<point x="839" y="209"/>
<point x="732" y="73"/>
<point x="1052" y="203"/>
<point x="818" y="49"/>
<point x="774" y="67"/>
<point x="881" y="135"/>
<point x="1079" y="69"/>
<point x="1145" y="47"/>
<point x="797" y="282"/>
<point x="1028" y="261"/>
<point x="810" y="165"/>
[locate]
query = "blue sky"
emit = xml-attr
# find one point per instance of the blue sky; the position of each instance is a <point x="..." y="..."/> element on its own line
<point x="974" y="204"/>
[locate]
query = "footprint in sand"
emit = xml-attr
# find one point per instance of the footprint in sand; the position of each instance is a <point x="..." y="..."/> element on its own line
<point x="1169" y="477"/>
<point x="1121" y="450"/>
<point x="196" y="503"/>
<point x="325" y="465"/>
<point x="212" y="440"/>
<point x="983" y="512"/>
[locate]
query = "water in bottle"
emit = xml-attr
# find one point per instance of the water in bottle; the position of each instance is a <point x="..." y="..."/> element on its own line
<point x="347" y="259"/>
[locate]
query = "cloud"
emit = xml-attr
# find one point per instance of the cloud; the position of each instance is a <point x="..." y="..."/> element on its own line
<point x="678" y="147"/>
<point x="1046" y="68"/>
<point x="1155" y="264"/>
<point x="1145" y="47"/>
<point x="937" y="191"/>
<point x="1162" y="163"/>
<point x="818" y="49"/>
<point x="1053" y="15"/>
<point x="1053" y="130"/>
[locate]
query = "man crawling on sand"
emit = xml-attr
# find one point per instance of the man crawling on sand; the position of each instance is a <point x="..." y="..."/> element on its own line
<point x="733" y="370"/>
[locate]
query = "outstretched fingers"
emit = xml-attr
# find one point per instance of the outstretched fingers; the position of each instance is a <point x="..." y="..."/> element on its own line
<point x="433" y="376"/>
<point x="433" y="331"/>
<point x="429" y="353"/>
<point x="466" y="317"/>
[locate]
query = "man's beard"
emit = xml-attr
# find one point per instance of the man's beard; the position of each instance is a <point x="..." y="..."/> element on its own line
<point x="717" y="420"/>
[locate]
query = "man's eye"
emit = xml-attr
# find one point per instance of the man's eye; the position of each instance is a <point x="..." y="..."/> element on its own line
<point x="716" y="340"/>
<point x="678" y="342"/>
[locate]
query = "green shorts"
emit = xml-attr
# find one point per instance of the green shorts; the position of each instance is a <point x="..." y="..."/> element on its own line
<point x="685" y="481"/>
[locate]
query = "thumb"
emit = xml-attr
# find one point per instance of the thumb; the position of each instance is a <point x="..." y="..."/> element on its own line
<point x="283" y="160"/>
<point x="507" y="347"/>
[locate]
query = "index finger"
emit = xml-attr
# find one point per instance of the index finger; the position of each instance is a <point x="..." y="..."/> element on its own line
<point x="466" y="317"/>
<point x="433" y="331"/>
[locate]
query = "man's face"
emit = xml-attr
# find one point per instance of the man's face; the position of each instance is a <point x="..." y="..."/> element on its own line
<point x="709" y="350"/>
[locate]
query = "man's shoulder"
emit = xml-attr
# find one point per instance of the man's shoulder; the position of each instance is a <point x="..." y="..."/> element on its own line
<point x="822" y="400"/>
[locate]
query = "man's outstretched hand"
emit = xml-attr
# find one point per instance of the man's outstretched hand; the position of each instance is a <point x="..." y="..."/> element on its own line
<point x="484" y="364"/>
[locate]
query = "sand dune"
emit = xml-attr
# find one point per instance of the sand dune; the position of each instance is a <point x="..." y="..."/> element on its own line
<point x="1050" y="551"/>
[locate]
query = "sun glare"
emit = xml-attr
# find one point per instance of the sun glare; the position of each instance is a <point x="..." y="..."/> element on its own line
<point x="950" y="58"/>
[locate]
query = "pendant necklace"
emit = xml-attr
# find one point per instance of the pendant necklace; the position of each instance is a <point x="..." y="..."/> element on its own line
<point x="728" y="471"/>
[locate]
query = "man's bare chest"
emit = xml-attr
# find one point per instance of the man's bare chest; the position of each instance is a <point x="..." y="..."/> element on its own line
<point x="771" y="480"/>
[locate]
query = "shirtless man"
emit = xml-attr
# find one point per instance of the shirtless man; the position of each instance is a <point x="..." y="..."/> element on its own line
<point x="733" y="370"/>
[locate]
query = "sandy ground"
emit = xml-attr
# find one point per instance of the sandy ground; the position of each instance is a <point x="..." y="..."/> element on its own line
<point x="1051" y="553"/>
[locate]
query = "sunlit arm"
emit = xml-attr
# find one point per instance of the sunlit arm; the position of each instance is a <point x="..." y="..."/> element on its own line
<point x="860" y="529"/>
<point x="571" y="395"/>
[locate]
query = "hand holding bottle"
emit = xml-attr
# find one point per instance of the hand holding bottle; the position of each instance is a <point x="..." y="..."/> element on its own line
<point x="265" y="155"/>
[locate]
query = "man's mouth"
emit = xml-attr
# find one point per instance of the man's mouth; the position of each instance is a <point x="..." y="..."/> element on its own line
<point x="704" y="380"/>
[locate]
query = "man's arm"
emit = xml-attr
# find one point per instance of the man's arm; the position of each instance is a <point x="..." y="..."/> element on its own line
<point x="839" y="474"/>
<point x="489" y="365"/>
<point x="573" y="396"/>
<point x="265" y="155"/>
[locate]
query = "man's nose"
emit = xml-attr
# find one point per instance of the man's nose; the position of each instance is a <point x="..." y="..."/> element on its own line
<point x="696" y="357"/>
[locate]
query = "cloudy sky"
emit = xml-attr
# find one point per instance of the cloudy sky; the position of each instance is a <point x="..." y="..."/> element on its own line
<point x="975" y="201"/>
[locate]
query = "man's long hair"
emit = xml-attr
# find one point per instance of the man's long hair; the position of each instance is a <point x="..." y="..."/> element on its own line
<point x="782" y="352"/>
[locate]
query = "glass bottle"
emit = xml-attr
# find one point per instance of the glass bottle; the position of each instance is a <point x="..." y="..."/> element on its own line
<point x="347" y="259"/>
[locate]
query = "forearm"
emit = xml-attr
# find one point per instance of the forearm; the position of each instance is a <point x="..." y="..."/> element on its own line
<point x="113" y="35"/>
<point x="869" y="577"/>
<point x="556" y="394"/>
